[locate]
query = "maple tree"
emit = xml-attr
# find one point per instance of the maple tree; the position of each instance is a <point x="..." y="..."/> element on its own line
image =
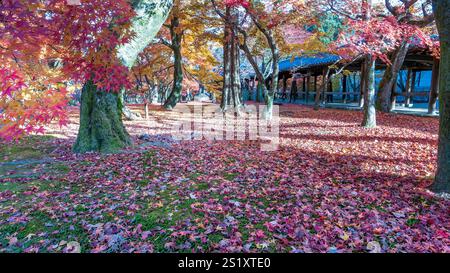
<point x="413" y="27"/>
<point x="357" y="41"/>
<point x="31" y="93"/>
<point x="97" y="42"/>
<point x="104" y="108"/>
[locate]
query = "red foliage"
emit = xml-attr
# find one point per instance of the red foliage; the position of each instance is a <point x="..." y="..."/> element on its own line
<point x="84" y="38"/>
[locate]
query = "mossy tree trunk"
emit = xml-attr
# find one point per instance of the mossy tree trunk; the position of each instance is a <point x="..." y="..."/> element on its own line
<point x="101" y="126"/>
<point x="442" y="180"/>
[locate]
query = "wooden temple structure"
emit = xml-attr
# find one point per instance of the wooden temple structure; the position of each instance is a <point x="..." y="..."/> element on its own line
<point x="302" y="77"/>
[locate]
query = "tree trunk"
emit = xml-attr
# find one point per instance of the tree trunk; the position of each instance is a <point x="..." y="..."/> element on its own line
<point x="410" y="90"/>
<point x="442" y="180"/>
<point x="363" y="83"/>
<point x="369" y="95"/>
<point x="390" y="76"/>
<point x="319" y="90"/>
<point x="231" y="94"/>
<point x="393" y="96"/>
<point x="434" y="88"/>
<point x="101" y="127"/>
<point x="177" y="87"/>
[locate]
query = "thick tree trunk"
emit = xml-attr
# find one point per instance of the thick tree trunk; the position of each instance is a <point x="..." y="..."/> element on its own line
<point x="390" y="77"/>
<point x="434" y="88"/>
<point x="442" y="13"/>
<point x="232" y="89"/>
<point x="369" y="95"/>
<point x="101" y="127"/>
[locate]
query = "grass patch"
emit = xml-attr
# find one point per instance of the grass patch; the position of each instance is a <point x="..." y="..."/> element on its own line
<point x="42" y="226"/>
<point x="27" y="148"/>
<point x="230" y="176"/>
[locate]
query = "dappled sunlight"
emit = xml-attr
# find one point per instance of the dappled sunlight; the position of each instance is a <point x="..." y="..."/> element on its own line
<point x="331" y="186"/>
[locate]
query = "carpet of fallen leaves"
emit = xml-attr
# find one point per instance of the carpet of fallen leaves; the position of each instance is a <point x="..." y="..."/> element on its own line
<point x="331" y="187"/>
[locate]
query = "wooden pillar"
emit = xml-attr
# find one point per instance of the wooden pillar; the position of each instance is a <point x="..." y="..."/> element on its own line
<point x="325" y="87"/>
<point x="284" y="95"/>
<point x="304" y="88"/>
<point x="344" y="88"/>
<point x="434" y="92"/>
<point x="354" y="86"/>
<point x="316" y="92"/>
<point x="308" y="84"/>
<point x="330" y="92"/>
<point x="294" y="90"/>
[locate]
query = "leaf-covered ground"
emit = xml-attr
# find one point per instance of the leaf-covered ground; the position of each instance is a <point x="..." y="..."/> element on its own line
<point x="332" y="187"/>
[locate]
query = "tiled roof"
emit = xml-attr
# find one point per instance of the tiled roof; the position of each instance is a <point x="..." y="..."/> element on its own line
<point x="308" y="61"/>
